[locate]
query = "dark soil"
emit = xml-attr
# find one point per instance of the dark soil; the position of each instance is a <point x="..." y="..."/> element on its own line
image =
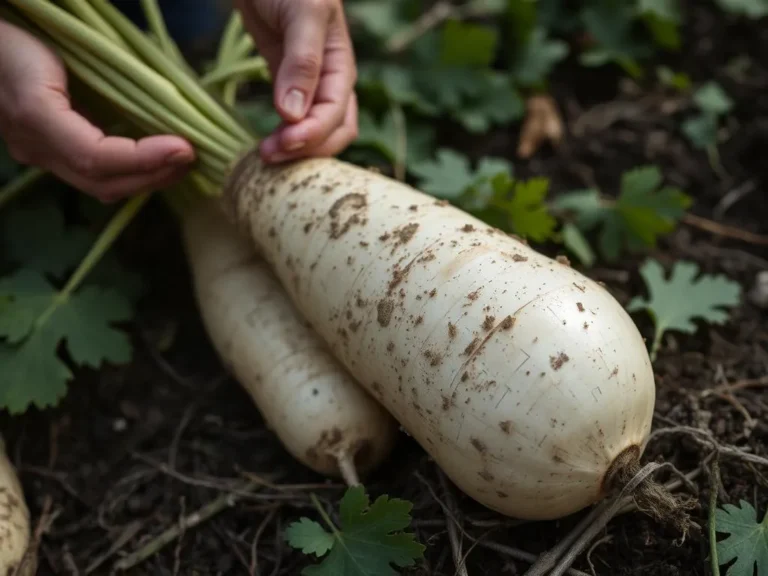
<point x="133" y="449"/>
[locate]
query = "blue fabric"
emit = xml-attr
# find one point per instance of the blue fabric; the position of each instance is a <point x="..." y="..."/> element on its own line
<point x="188" y="21"/>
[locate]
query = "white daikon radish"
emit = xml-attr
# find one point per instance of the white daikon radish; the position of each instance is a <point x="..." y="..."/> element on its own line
<point x="15" y="531"/>
<point x="526" y="381"/>
<point x="323" y="418"/>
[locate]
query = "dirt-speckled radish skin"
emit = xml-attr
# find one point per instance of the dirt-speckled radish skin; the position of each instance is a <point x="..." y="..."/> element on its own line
<point x="521" y="377"/>
<point x="15" y="530"/>
<point x="320" y="414"/>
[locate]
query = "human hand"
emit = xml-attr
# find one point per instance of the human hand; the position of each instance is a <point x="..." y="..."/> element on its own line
<point x="40" y="127"/>
<point x="309" y="51"/>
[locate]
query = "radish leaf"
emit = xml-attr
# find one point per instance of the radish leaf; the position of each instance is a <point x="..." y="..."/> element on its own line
<point x="367" y="543"/>
<point x="747" y="542"/>
<point x="33" y="323"/>
<point x="675" y="303"/>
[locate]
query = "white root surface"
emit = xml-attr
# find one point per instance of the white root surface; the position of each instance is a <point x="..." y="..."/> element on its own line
<point x="523" y="378"/>
<point x="15" y="529"/>
<point x="320" y="414"/>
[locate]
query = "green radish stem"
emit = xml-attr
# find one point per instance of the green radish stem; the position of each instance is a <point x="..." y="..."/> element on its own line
<point x="103" y="243"/>
<point x="232" y="32"/>
<point x="255" y="67"/>
<point x="19" y="184"/>
<point x="55" y="19"/>
<point x="157" y="25"/>
<point x="89" y="15"/>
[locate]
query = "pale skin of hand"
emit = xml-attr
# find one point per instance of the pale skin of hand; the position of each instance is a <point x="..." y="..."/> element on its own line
<point x="305" y="42"/>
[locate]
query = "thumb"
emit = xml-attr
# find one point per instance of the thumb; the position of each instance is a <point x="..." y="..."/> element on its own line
<point x="299" y="71"/>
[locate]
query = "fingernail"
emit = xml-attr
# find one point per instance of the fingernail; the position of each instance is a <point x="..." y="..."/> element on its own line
<point x="294" y="102"/>
<point x="294" y="146"/>
<point x="179" y="158"/>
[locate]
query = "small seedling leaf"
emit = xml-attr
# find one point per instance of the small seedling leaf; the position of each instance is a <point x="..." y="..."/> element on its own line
<point x="642" y="213"/>
<point x="747" y="540"/>
<point x="537" y="58"/>
<point x="712" y="99"/>
<point x="309" y="537"/>
<point x="522" y="203"/>
<point x="675" y="303"/>
<point x="368" y="542"/>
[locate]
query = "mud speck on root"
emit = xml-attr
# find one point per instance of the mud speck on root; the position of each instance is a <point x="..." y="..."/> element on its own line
<point x="347" y="211"/>
<point x="478" y="445"/>
<point x="404" y="234"/>
<point x="557" y="361"/>
<point x="384" y="311"/>
<point x="433" y="357"/>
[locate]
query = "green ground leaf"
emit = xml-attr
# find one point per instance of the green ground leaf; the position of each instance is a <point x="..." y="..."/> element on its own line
<point x="383" y="136"/>
<point x="611" y="26"/>
<point x="663" y="18"/>
<point x="675" y="303"/>
<point x="464" y="44"/>
<point x="536" y="59"/>
<point x="369" y="540"/>
<point x="712" y="99"/>
<point x="32" y="374"/>
<point x="666" y="9"/>
<point x="522" y="204"/>
<point x="498" y="104"/>
<point x="261" y="116"/>
<point x="33" y="323"/>
<point x="380" y="19"/>
<point x="27" y="295"/>
<point x="397" y="84"/>
<point x="678" y="80"/>
<point x="309" y="537"/>
<point x="701" y="130"/>
<point x="644" y="211"/>
<point x="450" y="176"/>
<point x="36" y="237"/>
<point x="747" y="540"/>
<point x="751" y="8"/>
<point x="575" y="241"/>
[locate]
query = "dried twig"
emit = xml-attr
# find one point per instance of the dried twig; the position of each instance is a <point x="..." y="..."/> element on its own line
<point x="714" y="482"/>
<point x="725" y="231"/>
<point x="453" y="535"/>
<point x="169" y="535"/>
<point x="125" y="536"/>
<point x="738" y="385"/>
<point x="602" y="540"/>
<point x="705" y="437"/>
<point x="253" y="568"/>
